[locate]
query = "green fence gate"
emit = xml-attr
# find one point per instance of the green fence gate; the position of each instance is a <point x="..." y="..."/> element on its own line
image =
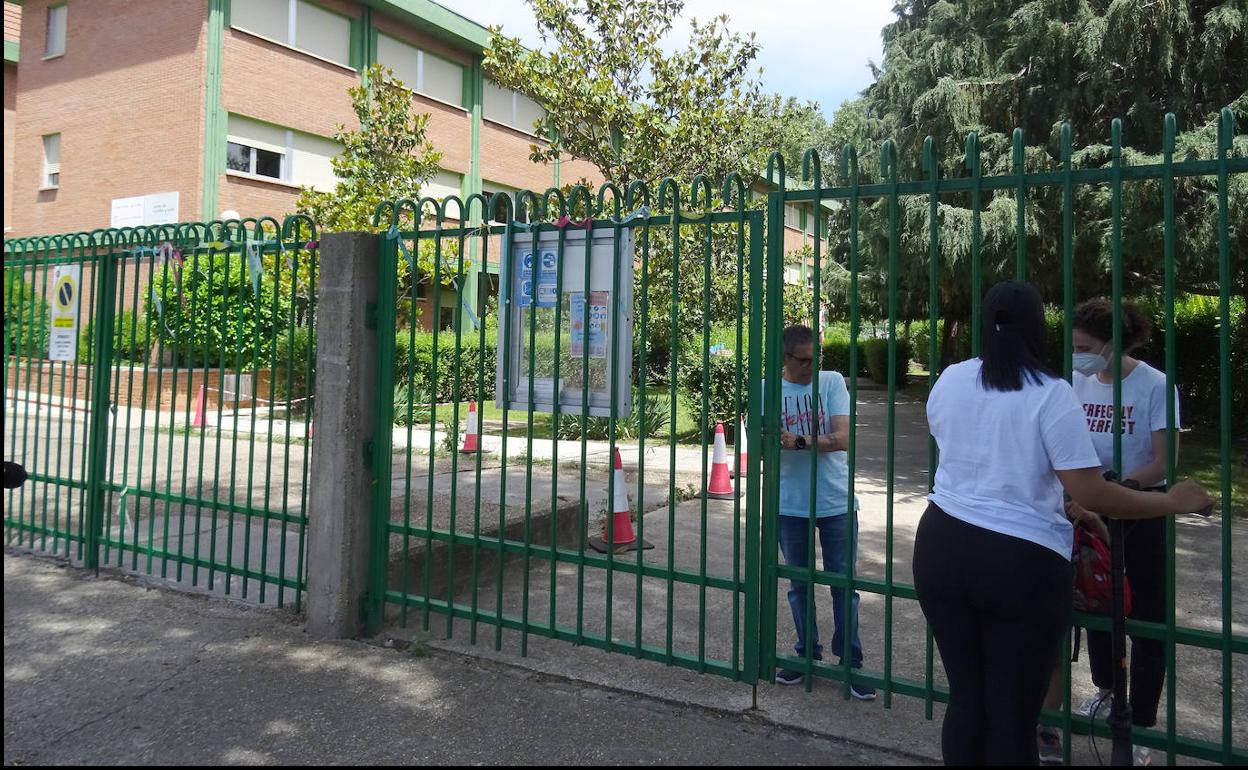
<point x="171" y="435"/>
<point x="440" y="550"/>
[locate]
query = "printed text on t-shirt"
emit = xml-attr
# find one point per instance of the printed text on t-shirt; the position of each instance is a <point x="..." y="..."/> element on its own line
<point x="1101" y="418"/>
<point x="798" y="416"/>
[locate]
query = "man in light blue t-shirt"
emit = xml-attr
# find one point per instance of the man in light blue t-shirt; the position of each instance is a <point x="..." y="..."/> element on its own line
<point x="798" y="436"/>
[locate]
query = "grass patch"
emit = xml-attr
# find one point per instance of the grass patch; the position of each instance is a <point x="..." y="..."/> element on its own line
<point x="687" y="430"/>
<point x="1200" y="458"/>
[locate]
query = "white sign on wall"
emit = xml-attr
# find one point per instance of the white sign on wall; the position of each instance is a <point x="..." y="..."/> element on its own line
<point x="144" y="210"/>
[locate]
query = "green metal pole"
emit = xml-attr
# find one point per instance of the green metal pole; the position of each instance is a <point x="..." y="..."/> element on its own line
<point x="644" y="421"/>
<point x="378" y="450"/>
<point x="98" y="442"/>
<point x="773" y="319"/>
<point x="888" y="161"/>
<point x="816" y="418"/>
<point x="753" y="513"/>
<point x="1068" y="297"/>
<point x="1020" y="201"/>
<point x="1170" y="130"/>
<point x="1120" y="710"/>
<point x="849" y="168"/>
<point x="977" y="280"/>
<point x="933" y="358"/>
<point x="1226" y="133"/>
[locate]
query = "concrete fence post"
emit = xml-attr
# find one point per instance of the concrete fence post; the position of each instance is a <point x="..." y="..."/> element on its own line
<point x="345" y="412"/>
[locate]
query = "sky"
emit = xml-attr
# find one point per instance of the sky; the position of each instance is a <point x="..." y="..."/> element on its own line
<point x="816" y="50"/>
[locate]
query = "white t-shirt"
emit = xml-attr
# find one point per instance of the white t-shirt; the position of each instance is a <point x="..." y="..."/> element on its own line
<point x="999" y="451"/>
<point x="1143" y="412"/>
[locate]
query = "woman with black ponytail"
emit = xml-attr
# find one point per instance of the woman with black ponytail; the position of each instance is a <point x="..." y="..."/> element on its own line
<point x="992" y="552"/>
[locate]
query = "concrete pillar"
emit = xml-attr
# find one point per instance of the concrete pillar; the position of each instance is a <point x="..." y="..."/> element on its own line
<point x="345" y="414"/>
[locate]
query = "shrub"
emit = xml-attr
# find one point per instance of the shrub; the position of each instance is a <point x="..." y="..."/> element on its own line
<point x="658" y="421"/>
<point x="875" y="351"/>
<point x="414" y="364"/>
<point x="835" y="356"/>
<point x="296" y="349"/>
<point x="216" y="314"/>
<point x="131" y="339"/>
<point x="25" y="318"/>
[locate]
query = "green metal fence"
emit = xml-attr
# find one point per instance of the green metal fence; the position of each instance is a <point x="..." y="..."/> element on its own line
<point x="622" y="602"/>
<point x="501" y="537"/>
<point x="177" y="443"/>
<point x="175" y="440"/>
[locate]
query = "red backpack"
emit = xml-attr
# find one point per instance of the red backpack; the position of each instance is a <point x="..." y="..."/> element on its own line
<point x="1093" y="578"/>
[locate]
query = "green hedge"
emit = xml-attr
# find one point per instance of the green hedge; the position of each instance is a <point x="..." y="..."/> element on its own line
<point x="721" y="383"/>
<point x="25" y="318"/>
<point x="413" y="364"/>
<point x="1198" y="358"/>
<point x="835" y="357"/>
<point x="920" y="340"/>
<point x="721" y="376"/>
<point x="875" y="351"/>
<point x="295" y="349"/>
<point x="872" y="358"/>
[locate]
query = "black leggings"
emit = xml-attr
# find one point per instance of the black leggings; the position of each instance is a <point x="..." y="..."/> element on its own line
<point x="998" y="606"/>
<point x="1144" y="557"/>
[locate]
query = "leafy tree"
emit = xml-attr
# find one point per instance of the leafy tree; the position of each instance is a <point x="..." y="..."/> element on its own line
<point x="387" y="157"/>
<point x="615" y="97"/>
<point x="987" y="66"/>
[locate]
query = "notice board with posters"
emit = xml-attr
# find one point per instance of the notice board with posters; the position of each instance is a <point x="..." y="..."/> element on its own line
<point x="547" y="304"/>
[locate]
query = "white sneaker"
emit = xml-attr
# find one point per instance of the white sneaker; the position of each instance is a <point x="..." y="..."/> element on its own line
<point x="1143" y="756"/>
<point x="1097" y="707"/>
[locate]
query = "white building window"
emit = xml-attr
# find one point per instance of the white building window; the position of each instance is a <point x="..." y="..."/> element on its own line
<point x="444" y="184"/>
<point x="421" y="71"/>
<point x="254" y="160"/>
<point x="258" y="149"/>
<point x="57" y="17"/>
<point x="510" y="108"/>
<point x="490" y="190"/>
<point x="296" y="23"/>
<point x="264" y="150"/>
<point x="51" y="161"/>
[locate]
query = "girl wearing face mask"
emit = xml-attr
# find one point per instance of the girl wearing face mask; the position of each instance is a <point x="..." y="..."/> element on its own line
<point x="1144" y="430"/>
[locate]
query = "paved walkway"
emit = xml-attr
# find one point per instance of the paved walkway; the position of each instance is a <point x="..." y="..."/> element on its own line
<point x="106" y="671"/>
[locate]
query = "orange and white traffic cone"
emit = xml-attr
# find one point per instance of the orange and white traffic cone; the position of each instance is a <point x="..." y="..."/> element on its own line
<point x="742" y="449"/>
<point x="618" y="529"/>
<point x="201" y="408"/>
<point x="718" y="486"/>
<point x="472" y="436"/>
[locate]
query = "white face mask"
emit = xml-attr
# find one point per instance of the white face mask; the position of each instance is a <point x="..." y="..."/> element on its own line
<point x="1090" y="364"/>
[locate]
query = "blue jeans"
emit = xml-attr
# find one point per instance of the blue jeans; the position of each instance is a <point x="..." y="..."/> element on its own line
<point x="793" y="534"/>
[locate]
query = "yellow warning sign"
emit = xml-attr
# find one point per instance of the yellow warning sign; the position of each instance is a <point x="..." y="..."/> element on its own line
<point x="63" y="336"/>
<point x="66" y="292"/>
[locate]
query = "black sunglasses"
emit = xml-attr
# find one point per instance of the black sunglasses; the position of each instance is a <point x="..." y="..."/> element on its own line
<point x="802" y="361"/>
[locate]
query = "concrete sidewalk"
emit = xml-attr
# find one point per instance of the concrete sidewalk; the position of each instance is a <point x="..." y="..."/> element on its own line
<point x="109" y="671"/>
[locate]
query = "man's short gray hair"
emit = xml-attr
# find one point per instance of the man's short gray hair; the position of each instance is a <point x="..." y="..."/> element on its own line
<point x="798" y="334"/>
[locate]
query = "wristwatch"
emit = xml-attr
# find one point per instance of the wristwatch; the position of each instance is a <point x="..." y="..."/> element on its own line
<point x="1128" y="483"/>
<point x="801" y="442"/>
